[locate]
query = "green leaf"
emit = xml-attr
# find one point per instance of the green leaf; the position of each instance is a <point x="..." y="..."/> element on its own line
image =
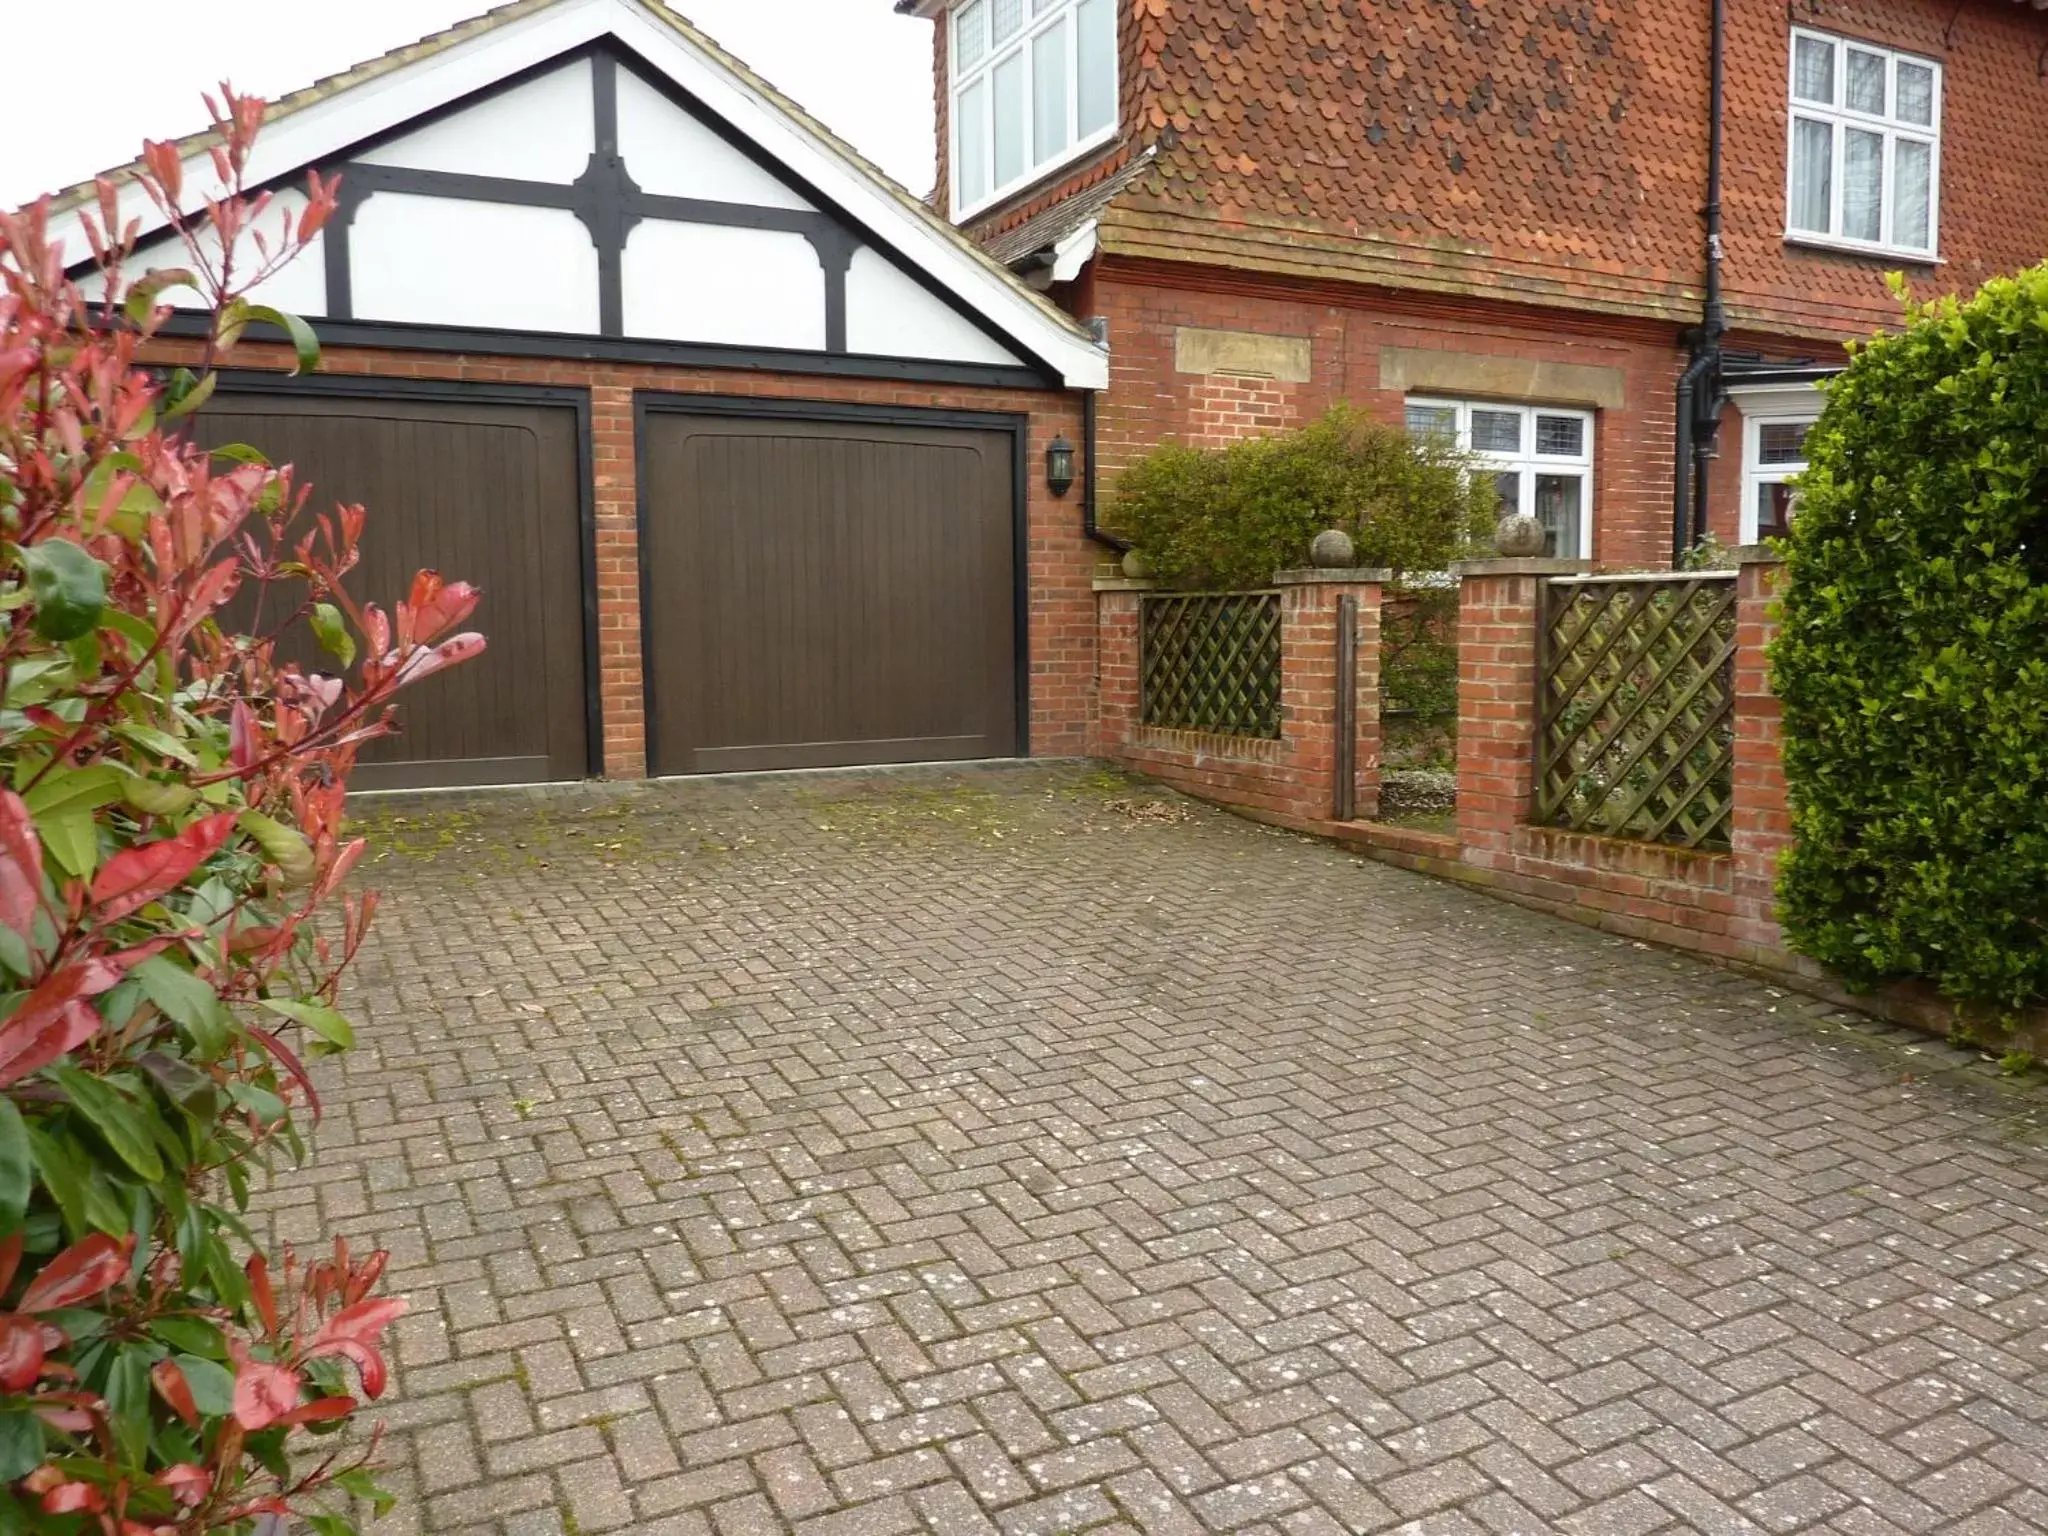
<point x="183" y="1084"/>
<point x="361" y="1483"/>
<point x="284" y="846"/>
<point x="154" y="797"/>
<point x="323" y="1021"/>
<point x="121" y="1122"/>
<point x="185" y="999"/>
<point x="212" y="1384"/>
<point x="305" y="344"/>
<point x="191" y="1336"/>
<point x="266" y="1106"/>
<point x="21" y="1445"/>
<point x="63" y="805"/>
<point x="332" y="632"/>
<point x="162" y="743"/>
<point x="69" y="588"/>
<point x="143" y="292"/>
<point x="241" y="453"/>
<point x="127" y="1395"/>
<point x="186" y="392"/>
<point x="332" y="1525"/>
<point x="61" y="1165"/>
<point x="17" y="1165"/>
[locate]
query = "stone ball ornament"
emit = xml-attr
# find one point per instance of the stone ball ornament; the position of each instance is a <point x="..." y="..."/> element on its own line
<point x="1332" y="550"/>
<point x="1518" y="536"/>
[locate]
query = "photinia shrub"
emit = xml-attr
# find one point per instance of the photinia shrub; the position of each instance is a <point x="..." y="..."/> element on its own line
<point x="1913" y="658"/>
<point x="173" y="924"/>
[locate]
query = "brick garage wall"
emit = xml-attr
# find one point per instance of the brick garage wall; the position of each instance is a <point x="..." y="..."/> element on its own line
<point x="1060" y="562"/>
<point x="1348" y="327"/>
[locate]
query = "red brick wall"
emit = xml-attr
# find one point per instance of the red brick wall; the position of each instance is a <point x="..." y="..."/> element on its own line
<point x="1347" y="326"/>
<point x="1061" y="563"/>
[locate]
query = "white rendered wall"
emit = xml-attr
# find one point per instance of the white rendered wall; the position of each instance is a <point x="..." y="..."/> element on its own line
<point x="742" y="287"/>
<point x="443" y="261"/>
<point x="540" y="131"/>
<point x="670" y="154"/>
<point x="890" y="314"/>
<point x="299" y="289"/>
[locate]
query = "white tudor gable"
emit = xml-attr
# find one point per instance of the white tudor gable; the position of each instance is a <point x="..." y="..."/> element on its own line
<point x="596" y="168"/>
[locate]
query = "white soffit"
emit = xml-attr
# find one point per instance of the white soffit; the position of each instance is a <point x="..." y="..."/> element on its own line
<point x="316" y="133"/>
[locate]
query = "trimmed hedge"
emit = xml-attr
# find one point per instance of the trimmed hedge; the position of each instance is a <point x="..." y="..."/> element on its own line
<point x="1913" y="658"/>
<point x="1231" y="517"/>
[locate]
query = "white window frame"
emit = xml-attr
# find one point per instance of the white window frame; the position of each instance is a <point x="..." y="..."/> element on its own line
<point x="1528" y="463"/>
<point x="1768" y="405"/>
<point x="1021" y="46"/>
<point x="1839" y="116"/>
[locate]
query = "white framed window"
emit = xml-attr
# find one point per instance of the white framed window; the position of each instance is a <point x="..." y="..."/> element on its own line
<point x="1863" y="147"/>
<point x="1033" y="85"/>
<point x="1540" y="457"/>
<point x="1773" y="454"/>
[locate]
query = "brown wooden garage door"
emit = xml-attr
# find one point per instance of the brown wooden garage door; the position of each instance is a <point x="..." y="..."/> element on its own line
<point x="823" y="593"/>
<point x="481" y="491"/>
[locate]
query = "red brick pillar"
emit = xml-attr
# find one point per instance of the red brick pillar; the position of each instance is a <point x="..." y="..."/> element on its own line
<point x="1497" y="700"/>
<point x="1309" y="605"/>
<point x="1762" y="826"/>
<point x="1117" y="604"/>
<point x="621" y="691"/>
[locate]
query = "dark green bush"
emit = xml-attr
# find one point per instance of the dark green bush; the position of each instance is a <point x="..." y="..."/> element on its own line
<point x="1232" y="517"/>
<point x="1419" y="677"/>
<point x="1913" y="662"/>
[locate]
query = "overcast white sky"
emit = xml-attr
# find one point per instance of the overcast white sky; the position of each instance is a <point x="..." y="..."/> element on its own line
<point x="854" y="63"/>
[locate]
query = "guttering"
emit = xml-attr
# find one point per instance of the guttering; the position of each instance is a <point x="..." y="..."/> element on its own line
<point x="1088" y="481"/>
<point x="1699" y="387"/>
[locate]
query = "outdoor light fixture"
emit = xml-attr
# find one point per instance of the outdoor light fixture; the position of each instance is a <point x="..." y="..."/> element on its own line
<point x="1059" y="466"/>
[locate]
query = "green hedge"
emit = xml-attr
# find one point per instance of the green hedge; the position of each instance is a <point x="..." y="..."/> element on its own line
<point x="1913" y="660"/>
<point x="1232" y="517"/>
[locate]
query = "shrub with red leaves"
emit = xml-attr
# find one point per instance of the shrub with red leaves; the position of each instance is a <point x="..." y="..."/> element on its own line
<point x="171" y="828"/>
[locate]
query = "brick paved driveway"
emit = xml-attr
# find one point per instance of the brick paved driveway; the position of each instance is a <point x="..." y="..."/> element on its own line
<point x="995" y="1150"/>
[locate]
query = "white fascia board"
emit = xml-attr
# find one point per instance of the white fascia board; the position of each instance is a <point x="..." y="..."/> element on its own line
<point x="314" y="134"/>
<point x="1788" y="397"/>
<point x="1074" y="253"/>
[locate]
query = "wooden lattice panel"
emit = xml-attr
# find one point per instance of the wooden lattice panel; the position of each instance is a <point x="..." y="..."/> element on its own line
<point x="1211" y="662"/>
<point x="1636" y="714"/>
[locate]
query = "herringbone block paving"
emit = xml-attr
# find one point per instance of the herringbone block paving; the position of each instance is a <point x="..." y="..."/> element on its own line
<point x="1019" y="1150"/>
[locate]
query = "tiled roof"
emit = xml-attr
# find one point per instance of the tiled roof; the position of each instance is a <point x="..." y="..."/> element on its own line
<point x="1054" y="224"/>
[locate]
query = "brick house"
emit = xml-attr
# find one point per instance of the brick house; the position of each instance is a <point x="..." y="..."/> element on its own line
<point x="752" y="454"/>
<point x="1494" y="220"/>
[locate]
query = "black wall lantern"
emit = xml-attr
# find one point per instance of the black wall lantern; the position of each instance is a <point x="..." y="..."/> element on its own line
<point x="1059" y="466"/>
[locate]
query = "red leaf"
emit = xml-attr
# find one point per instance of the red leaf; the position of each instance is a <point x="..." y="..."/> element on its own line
<point x="28" y="1044"/>
<point x="69" y="1498"/>
<point x="258" y="1271"/>
<point x="189" y="1484"/>
<point x="21" y="865"/>
<point x="134" y="879"/>
<point x="170" y="1382"/>
<point x="21" y="1352"/>
<point x="264" y="1394"/>
<point x="319" y="1411"/>
<point x="361" y="1322"/>
<point x="291" y="1063"/>
<point x="10" y="1259"/>
<point x="82" y="1271"/>
<point x="241" y="737"/>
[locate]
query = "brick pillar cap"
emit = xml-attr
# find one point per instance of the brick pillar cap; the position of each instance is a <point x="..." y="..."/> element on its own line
<point x="1311" y="576"/>
<point x="1756" y="554"/>
<point x="1498" y="566"/>
<point x="1123" y="584"/>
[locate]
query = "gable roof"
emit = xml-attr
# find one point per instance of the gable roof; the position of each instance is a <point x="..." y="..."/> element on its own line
<point x="312" y="126"/>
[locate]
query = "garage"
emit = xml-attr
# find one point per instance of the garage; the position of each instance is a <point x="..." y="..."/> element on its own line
<point x="484" y="486"/>
<point x="848" y="578"/>
<point x="751" y="453"/>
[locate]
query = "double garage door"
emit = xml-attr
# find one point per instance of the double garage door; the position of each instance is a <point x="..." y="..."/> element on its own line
<point x="818" y="589"/>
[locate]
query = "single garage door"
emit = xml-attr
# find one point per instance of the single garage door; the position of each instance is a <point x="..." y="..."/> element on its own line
<point x="823" y="593"/>
<point x="482" y="492"/>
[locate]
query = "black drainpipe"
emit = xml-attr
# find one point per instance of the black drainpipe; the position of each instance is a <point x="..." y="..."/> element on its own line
<point x="1699" y="387"/>
<point x="1088" y="479"/>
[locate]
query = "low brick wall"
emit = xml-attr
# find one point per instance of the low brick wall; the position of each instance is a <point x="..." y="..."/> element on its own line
<point x="1719" y="903"/>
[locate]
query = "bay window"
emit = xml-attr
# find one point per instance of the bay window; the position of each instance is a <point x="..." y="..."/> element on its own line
<point x="1540" y="458"/>
<point x="1864" y="162"/>
<point x="1033" y="85"/>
